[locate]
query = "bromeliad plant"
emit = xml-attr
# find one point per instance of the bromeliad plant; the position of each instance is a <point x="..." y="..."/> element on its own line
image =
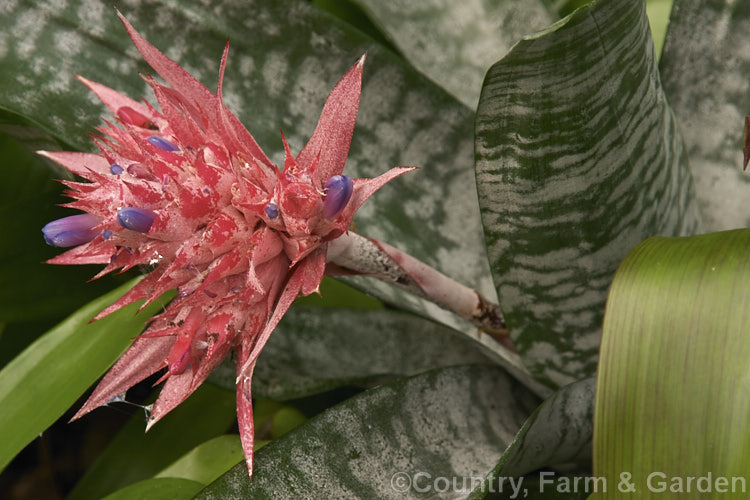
<point x="580" y="143"/>
<point x="188" y="190"/>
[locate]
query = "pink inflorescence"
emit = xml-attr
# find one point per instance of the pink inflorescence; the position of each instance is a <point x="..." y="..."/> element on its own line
<point x="188" y="190"/>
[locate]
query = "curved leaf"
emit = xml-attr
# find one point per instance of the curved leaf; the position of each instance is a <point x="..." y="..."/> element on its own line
<point x="208" y="461"/>
<point x="672" y="395"/>
<point x="133" y="455"/>
<point x="578" y="159"/>
<point x="558" y="432"/>
<point x="51" y="374"/>
<point x="454" y="43"/>
<point x="317" y="349"/>
<point x="704" y="70"/>
<point x="163" y="488"/>
<point x="451" y="422"/>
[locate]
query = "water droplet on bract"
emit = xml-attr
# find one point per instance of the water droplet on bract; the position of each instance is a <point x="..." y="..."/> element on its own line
<point x="120" y="398"/>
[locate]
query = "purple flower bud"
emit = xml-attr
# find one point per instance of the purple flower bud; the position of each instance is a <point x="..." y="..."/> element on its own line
<point x="70" y="231"/>
<point x="162" y="143"/>
<point x="106" y="234"/>
<point x="339" y="189"/>
<point x="116" y="169"/>
<point x="136" y="219"/>
<point x="272" y="210"/>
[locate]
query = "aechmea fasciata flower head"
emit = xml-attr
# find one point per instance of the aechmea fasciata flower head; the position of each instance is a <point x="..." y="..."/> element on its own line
<point x="188" y="190"/>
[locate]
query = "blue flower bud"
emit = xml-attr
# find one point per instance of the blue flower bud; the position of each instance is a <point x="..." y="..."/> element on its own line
<point x="136" y="219"/>
<point x="272" y="210"/>
<point x="116" y="169"/>
<point x="162" y="143"/>
<point x="70" y="231"/>
<point x="339" y="189"/>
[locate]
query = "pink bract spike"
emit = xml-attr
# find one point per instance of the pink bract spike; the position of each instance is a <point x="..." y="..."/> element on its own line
<point x="115" y="100"/>
<point x="79" y="163"/>
<point x="333" y="135"/>
<point x="144" y="358"/>
<point x="188" y="192"/>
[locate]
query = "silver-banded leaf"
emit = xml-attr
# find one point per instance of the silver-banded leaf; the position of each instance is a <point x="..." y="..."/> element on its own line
<point x="51" y="374"/>
<point x="451" y="422"/>
<point x="578" y="159"/>
<point x="704" y="69"/>
<point x="455" y="43"/>
<point x="558" y="432"/>
<point x="285" y="58"/>
<point x="672" y="396"/>
<point x="316" y="349"/>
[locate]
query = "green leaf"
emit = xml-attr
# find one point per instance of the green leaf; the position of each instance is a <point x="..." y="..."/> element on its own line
<point x="451" y="422"/>
<point x="164" y="488"/>
<point x="558" y="432"/>
<point x="672" y="395"/>
<point x="208" y="461"/>
<point x="578" y="159"/>
<point x="134" y="455"/>
<point x="658" y="18"/>
<point x="52" y="373"/>
<point x="29" y="288"/>
<point x="334" y="293"/>
<point x="317" y="349"/>
<point x="352" y="14"/>
<point x="705" y="75"/>
<point x="273" y="419"/>
<point x="454" y="43"/>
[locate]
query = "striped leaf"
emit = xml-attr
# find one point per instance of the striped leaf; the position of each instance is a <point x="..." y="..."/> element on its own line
<point x="451" y="422"/>
<point x="285" y="58"/>
<point x="558" y="432"/>
<point x="315" y="349"/>
<point x="578" y="159"/>
<point x="672" y="396"/>
<point x="705" y="68"/>
<point x="455" y="43"/>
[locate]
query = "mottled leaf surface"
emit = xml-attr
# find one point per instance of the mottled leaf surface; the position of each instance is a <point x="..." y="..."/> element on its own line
<point x="285" y="58"/>
<point x="672" y="393"/>
<point x="451" y="422"/>
<point x="558" y="432"/>
<point x="315" y="350"/>
<point x="578" y="159"/>
<point x="51" y="374"/>
<point x="455" y="43"/>
<point x="704" y="69"/>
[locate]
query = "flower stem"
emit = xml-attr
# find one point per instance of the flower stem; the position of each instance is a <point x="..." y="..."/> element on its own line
<point x="352" y="253"/>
